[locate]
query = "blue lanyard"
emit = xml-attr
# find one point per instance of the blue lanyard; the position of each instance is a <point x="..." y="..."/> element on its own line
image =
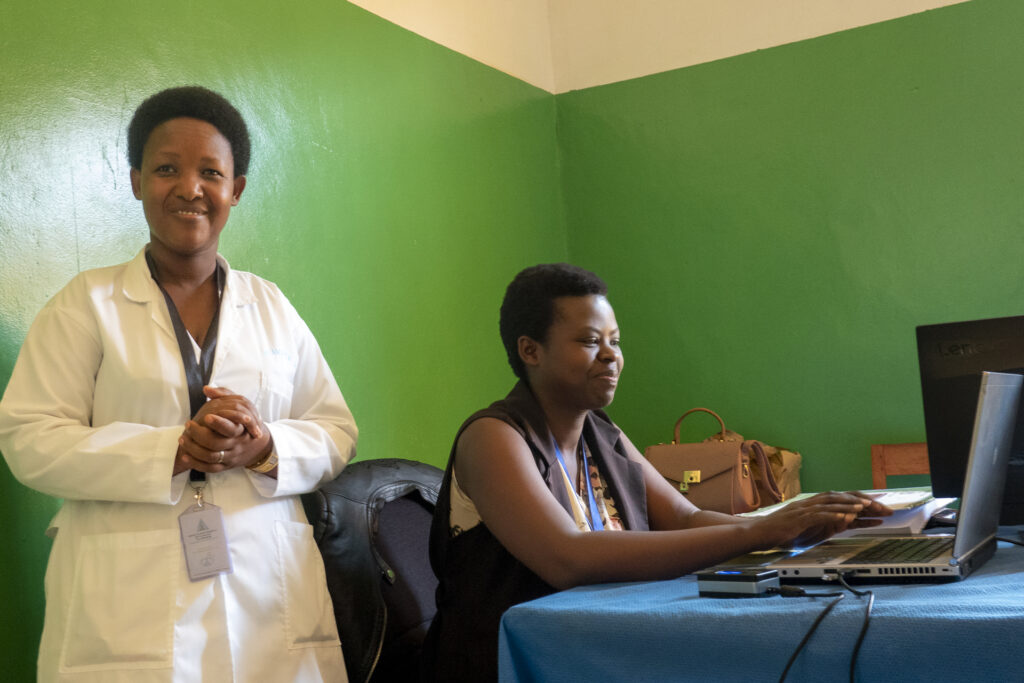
<point x="595" y="516"/>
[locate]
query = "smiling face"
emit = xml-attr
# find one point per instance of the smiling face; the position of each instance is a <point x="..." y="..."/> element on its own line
<point x="579" y="363"/>
<point x="187" y="186"/>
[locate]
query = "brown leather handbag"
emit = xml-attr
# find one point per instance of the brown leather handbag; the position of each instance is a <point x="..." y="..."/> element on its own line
<point x="724" y="473"/>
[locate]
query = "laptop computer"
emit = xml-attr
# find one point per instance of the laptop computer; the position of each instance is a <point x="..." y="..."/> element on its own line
<point x="951" y="357"/>
<point x="938" y="557"/>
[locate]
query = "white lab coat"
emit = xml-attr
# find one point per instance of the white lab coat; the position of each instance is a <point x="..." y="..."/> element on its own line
<point x="92" y="414"/>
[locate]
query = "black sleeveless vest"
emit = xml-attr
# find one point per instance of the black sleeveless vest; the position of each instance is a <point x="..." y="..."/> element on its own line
<point x="478" y="578"/>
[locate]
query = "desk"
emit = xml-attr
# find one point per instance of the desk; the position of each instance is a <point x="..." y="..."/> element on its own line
<point x="663" y="631"/>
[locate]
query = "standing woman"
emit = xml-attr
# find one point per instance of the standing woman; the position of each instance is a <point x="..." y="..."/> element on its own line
<point x="179" y="408"/>
<point x="531" y="479"/>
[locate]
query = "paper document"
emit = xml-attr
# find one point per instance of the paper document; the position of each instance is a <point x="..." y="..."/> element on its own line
<point x="912" y="508"/>
<point x="902" y="499"/>
<point x="908" y="521"/>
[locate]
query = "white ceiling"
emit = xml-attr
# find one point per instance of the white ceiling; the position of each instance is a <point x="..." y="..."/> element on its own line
<point x="562" y="45"/>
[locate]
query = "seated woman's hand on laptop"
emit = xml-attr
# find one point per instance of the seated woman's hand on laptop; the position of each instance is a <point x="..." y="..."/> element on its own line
<point x="814" y="519"/>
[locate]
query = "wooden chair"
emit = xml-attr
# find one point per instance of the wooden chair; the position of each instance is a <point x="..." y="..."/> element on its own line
<point x="888" y="459"/>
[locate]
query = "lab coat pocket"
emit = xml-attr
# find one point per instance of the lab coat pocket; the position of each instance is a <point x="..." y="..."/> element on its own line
<point x="274" y="400"/>
<point x="121" y="614"/>
<point x="309" y="614"/>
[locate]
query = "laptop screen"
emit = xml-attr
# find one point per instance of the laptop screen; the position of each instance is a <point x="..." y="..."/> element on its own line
<point x="998" y="406"/>
<point x="952" y="357"/>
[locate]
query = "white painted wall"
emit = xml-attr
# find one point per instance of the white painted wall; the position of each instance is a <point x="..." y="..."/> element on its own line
<point x="563" y="45"/>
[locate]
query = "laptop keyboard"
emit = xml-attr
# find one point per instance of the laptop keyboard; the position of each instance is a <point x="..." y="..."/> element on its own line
<point x="902" y="551"/>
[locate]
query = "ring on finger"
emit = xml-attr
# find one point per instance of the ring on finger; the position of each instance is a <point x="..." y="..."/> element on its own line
<point x="220" y="457"/>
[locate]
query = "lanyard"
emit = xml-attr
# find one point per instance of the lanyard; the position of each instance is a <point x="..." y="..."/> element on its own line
<point x="197" y="374"/>
<point x="595" y="516"/>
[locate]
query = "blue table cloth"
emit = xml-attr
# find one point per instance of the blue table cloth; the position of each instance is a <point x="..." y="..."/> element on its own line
<point x="664" y="631"/>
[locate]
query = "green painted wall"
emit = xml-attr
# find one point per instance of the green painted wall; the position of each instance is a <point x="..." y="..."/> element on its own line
<point x="774" y="225"/>
<point x="396" y="188"/>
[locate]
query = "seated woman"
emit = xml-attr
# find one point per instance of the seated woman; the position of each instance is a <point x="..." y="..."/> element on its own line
<point x="530" y="477"/>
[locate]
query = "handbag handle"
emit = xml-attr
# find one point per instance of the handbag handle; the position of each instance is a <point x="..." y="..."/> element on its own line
<point x="675" y="432"/>
<point x="767" y="476"/>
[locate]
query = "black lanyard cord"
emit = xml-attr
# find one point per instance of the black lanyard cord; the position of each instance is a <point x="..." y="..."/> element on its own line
<point x="197" y="374"/>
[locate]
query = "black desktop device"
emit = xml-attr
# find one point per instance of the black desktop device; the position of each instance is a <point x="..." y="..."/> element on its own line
<point x="737" y="582"/>
<point x="952" y="357"/>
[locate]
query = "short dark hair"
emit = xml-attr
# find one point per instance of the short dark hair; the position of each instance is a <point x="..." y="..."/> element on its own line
<point x="194" y="102"/>
<point x="529" y="305"/>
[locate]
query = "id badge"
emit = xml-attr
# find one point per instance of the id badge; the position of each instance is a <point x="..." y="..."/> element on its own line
<point x="204" y="541"/>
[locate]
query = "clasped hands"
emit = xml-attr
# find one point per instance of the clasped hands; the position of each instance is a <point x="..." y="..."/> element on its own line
<point x="227" y="432"/>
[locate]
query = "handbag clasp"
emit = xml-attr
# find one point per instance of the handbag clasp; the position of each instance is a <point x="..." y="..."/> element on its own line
<point x="689" y="477"/>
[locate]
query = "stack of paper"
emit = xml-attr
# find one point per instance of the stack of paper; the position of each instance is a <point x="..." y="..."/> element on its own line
<point x="902" y="499"/>
<point x="912" y="508"/>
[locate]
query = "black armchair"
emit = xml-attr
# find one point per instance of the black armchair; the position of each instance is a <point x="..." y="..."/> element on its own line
<point x="372" y="525"/>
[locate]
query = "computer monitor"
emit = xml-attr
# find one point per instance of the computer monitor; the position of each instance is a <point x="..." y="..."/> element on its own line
<point x="952" y="357"/>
